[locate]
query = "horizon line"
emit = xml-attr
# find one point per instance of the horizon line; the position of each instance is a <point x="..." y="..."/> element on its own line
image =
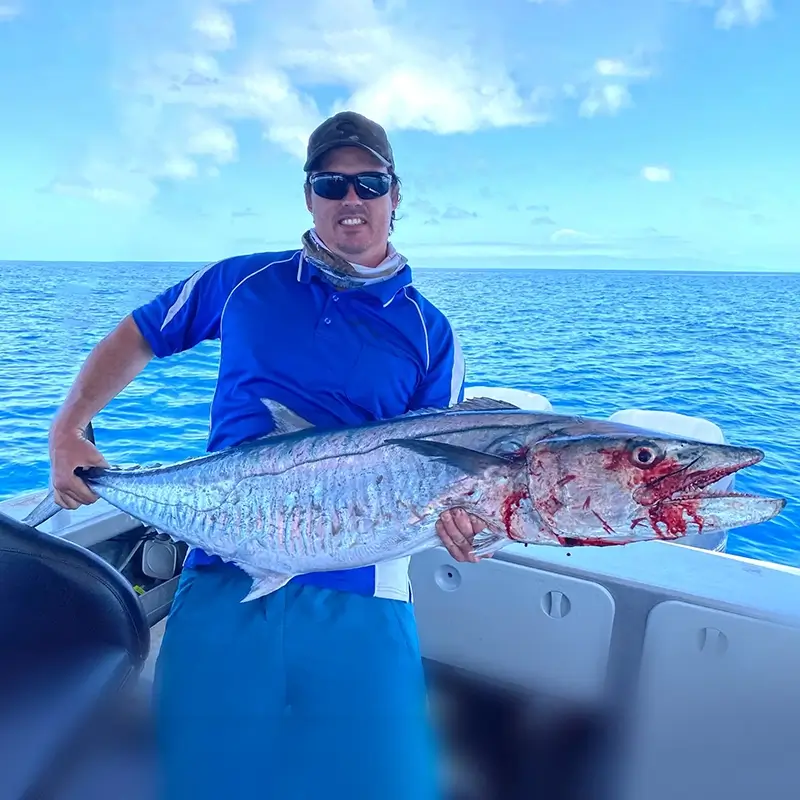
<point x="469" y="268"/>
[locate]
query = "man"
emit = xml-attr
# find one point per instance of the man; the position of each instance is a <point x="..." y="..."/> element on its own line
<point x="316" y="690"/>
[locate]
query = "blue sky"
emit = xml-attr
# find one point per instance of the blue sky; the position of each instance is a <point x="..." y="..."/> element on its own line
<point x="543" y="132"/>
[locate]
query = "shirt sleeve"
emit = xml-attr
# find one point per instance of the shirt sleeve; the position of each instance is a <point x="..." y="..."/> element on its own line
<point x="443" y="385"/>
<point x="185" y="314"/>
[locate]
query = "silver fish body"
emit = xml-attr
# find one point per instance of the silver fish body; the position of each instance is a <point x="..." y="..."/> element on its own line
<point x="306" y="500"/>
<point x="332" y="511"/>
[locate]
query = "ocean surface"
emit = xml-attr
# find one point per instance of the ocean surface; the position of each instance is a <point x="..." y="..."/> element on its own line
<point x="720" y="346"/>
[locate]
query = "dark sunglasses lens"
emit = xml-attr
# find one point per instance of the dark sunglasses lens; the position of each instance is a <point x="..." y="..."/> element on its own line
<point x="367" y="185"/>
<point x="331" y="187"/>
<point x="376" y="185"/>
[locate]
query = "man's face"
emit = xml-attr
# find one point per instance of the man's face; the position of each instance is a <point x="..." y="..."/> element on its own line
<point x="356" y="229"/>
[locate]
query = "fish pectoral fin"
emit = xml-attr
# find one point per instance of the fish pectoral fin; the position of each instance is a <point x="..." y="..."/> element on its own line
<point x="265" y="583"/>
<point x="286" y="421"/>
<point x="472" y="461"/>
<point x="485" y="543"/>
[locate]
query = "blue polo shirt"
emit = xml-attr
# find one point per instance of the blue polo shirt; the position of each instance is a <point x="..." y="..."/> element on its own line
<point x="334" y="357"/>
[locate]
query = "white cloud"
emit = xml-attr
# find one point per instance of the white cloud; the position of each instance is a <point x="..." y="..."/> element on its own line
<point x="210" y="66"/>
<point x="742" y="12"/>
<point x="607" y="99"/>
<point x="180" y="168"/>
<point x="218" y="141"/>
<point x="404" y="76"/>
<point x="616" y="67"/>
<point x="568" y="236"/>
<point x="216" y="25"/>
<point x="732" y="13"/>
<point x="607" y="83"/>
<point x="657" y="174"/>
<point x="184" y="89"/>
<point x="84" y="189"/>
<point x="9" y="11"/>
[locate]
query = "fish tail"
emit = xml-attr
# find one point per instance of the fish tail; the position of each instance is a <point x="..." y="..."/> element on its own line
<point x="46" y="509"/>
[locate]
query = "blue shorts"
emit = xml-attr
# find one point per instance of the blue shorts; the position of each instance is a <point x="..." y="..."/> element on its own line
<point x="307" y="694"/>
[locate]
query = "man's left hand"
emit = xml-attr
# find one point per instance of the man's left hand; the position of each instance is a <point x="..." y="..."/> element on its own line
<point x="457" y="529"/>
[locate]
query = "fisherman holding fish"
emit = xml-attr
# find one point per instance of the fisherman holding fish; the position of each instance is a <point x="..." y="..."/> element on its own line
<point x="315" y="690"/>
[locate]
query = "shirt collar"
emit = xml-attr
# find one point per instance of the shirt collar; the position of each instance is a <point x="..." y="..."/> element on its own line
<point x="384" y="291"/>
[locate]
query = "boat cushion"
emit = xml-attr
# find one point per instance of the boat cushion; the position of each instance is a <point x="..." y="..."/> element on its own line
<point x="530" y="401"/>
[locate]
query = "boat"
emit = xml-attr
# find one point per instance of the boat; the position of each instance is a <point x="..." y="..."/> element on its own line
<point x="653" y="670"/>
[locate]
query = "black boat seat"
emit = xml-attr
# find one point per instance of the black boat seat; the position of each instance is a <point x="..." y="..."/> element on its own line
<point x="72" y="636"/>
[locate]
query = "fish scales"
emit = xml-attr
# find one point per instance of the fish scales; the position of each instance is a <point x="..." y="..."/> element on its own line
<point x="324" y="512"/>
<point x="347" y="509"/>
<point x="354" y="509"/>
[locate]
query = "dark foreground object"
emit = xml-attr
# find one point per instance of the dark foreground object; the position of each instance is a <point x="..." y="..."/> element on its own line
<point x="503" y="744"/>
<point x="72" y="637"/>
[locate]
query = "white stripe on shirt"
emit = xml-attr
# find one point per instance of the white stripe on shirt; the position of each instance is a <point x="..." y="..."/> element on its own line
<point x="185" y="293"/>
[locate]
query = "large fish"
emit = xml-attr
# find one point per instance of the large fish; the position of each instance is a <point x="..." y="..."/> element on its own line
<point x="303" y="499"/>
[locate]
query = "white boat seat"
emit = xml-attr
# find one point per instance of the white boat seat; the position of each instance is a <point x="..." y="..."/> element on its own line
<point x="704" y="430"/>
<point x="72" y="633"/>
<point x="671" y="422"/>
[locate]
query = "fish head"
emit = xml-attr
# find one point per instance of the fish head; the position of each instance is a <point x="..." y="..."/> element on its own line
<point x="619" y="488"/>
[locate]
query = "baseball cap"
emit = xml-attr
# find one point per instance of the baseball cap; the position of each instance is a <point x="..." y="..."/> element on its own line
<point x="348" y="128"/>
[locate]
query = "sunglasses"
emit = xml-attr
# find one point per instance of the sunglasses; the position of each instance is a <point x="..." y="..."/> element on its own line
<point x="334" y="185"/>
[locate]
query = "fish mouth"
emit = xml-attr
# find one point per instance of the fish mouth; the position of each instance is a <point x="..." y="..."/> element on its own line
<point x="690" y="482"/>
<point x="681" y="501"/>
<point x="711" y="511"/>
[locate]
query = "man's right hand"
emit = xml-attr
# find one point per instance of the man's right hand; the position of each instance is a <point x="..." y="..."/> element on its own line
<point x="68" y="450"/>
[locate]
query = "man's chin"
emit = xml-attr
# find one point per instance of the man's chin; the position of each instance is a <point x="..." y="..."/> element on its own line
<point x="352" y="246"/>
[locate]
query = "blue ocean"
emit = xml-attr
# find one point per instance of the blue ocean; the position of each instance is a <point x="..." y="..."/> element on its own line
<point x="717" y="345"/>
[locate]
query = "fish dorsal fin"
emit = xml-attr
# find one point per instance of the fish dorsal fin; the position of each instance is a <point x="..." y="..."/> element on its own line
<point x="286" y="421"/>
<point x="473" y="404"/>
<point x="483" y="404"/>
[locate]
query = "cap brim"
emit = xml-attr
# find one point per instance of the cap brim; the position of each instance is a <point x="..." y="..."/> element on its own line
<point x="320" y="151"/>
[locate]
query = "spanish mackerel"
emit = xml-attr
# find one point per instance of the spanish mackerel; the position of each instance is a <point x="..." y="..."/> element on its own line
<point x="303" y="499"/>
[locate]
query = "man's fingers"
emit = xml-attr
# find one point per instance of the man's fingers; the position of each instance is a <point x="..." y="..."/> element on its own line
<point x="75" y="492"/>
<point x="445" y="532"/>
<point x="477" y="524"/>
<point x="459" y="528"/>
<point x="63" y="500"/>
<point x="454" y="551"/>
<point x="456" y="528"/>
<point x="68" y="451"/>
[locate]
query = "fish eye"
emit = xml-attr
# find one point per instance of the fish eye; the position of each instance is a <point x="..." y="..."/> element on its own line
<point x="506" y="447"/>
<point x="645" y="455"/>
